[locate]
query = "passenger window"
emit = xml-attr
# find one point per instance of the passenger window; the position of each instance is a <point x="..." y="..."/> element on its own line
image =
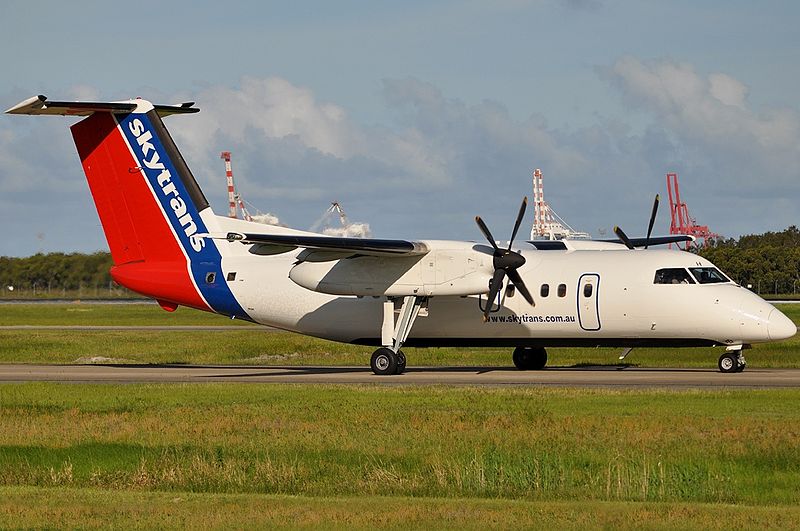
<point x="562" y="290"/>
<point x="587" y="290"/>
<point x="708" y="275"/>
<point x="545" y="290"/>
<point x="673" y="275"/>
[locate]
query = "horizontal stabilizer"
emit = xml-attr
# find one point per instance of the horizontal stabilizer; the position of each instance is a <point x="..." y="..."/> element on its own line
<point x="41" y="105"/>
<point x="361" y="246"/>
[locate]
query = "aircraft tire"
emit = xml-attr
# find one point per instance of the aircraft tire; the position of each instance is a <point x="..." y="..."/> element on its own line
<point x="530" y="358"/>
<point x="401" y="362"/>
<point x="729" y="362"/>
<point x="384" y="362"/>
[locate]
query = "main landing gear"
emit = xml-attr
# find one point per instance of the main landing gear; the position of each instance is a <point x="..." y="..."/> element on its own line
<point x="389" y="359"/>
<point x="732" y="361"/>
<point x="530" y="358"/>
<point x="385" y="361"/>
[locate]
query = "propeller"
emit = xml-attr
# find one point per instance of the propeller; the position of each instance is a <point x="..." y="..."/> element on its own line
<point x="624" y="237"/>
<point x="652" y="220"/>
<point x="505" y="262"/>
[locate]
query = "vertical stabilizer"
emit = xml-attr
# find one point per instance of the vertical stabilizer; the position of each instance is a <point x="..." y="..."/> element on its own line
<point x="150" y="205"/>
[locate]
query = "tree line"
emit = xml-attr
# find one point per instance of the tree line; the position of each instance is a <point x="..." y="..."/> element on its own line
<point x="768" y="263"/>
<point x="51" y="272"/>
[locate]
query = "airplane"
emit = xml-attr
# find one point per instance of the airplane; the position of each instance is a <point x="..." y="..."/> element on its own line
<point x="167" y="244"/>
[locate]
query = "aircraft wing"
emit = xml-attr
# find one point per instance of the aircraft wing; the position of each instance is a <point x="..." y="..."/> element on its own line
<point x="655" y="240"/>
<point x="41" y="105"/>
<point x="345" y="246"/>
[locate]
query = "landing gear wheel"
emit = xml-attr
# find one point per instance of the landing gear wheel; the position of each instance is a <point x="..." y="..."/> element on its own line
<point x="530" y="358"/>
<point x="401" y="362"/>
<point x="729" y="362"/>
<point x="384" y="362"/>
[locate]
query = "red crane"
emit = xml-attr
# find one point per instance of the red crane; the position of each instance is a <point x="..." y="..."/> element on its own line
<point x="682" y="222"/>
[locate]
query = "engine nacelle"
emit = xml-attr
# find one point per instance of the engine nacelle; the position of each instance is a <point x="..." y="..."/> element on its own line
<point x="456" y="271"/>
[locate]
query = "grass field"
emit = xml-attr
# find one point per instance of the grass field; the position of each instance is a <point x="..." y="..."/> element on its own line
<point x="224" y="455"/>
<point x="248" y="344"/>
<point x="367" y="456"/>
<point x="96" y="508"/>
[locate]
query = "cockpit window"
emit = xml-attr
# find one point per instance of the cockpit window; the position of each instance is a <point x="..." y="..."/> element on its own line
<point x="673" y="275"/>
<point x="708" y="275"/>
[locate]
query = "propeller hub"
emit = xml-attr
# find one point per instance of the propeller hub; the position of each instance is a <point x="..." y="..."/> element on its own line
<point x="506" y="259"/>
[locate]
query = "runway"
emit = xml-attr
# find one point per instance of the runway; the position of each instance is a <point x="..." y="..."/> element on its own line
<point x="481" y="376"/>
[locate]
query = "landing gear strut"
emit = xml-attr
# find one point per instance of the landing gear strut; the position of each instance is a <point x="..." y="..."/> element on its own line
<point x="530" y="358"/>
<point x="732" y="361"/>
<point x="389" y="359"/>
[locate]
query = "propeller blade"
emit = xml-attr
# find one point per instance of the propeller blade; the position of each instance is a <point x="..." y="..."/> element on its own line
<point x="485" y="231"/>
<point x="497" y="283"/>
<point x="514" y="277"/>
<point x="624" y="237"/>
<point x="521" y="215"/>
<point x="652" y="221"/>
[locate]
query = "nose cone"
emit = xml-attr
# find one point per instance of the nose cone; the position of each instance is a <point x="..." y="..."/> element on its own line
<point x="779" y="326"/>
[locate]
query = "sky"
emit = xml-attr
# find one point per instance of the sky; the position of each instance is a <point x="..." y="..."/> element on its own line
<point x="419" y="115"/>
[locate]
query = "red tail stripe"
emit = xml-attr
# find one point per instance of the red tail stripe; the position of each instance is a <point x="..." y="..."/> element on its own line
<point x="132" y="220"/>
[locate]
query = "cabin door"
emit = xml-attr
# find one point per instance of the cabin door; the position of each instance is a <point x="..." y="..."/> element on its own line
<point x="588" y="306"/>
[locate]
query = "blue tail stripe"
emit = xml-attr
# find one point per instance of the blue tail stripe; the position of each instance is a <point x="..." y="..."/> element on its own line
<point x="168" y="185"/>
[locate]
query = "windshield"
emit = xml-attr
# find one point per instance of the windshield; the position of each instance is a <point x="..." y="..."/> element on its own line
<point x="708" y="275"/>
<point x="672" y="275"/>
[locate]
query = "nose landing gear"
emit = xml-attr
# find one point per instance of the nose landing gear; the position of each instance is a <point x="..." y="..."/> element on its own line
<point x="732" y="361"/>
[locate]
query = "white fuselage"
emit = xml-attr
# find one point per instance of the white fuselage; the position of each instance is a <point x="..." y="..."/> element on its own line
<point x="623" y="306"/>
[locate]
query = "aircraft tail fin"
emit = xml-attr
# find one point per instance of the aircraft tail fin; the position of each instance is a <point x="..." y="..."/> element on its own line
<point x="151" y="208"/>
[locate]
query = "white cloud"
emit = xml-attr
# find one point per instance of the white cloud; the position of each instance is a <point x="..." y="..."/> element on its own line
<point x="296" y="142"/>
<point x="273" y="110"/>
<point x="727" y="90"/>
<point x="711" y="114"/>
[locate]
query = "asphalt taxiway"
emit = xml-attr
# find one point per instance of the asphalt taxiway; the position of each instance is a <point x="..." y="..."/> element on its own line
<point x="603" y="376"/>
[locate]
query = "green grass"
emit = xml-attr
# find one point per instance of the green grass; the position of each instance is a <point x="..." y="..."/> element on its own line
<point x="729" y="447"/>
<point x="146" y="313"/>
<point x="94" y="508"/>
<point x="243" y="456"/>
<point x="252" y="345"/>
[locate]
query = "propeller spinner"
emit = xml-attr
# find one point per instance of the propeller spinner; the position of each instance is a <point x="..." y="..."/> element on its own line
<point x="506" y="262"/>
